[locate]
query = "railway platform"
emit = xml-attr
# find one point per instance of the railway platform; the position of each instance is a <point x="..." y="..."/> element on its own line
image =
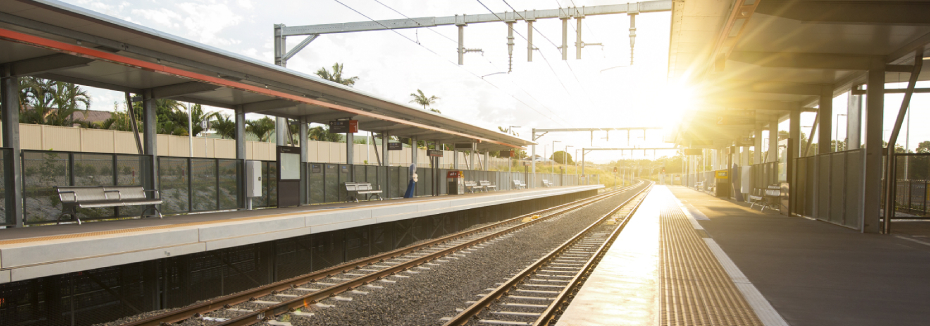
<point x="687" y="258"/>
<point x="36" y="252"/>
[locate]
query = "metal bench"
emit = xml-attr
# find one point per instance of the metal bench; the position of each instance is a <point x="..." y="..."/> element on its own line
<point x="356" y="189"/>
<point x="471" y="186"/>
<point x="486" y="185"/>
<point x="699" y="185"/>
<point x="519" y="184"/>
<point x="771" y="197"/>
<point x="547" y="183"/>
<point x="73" y="198"/>
<point x="756" y="197"/>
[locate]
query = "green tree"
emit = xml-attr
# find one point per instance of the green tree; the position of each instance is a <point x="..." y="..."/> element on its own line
<point x="321" y="133"/>
<point x="224" y="126"/>
<point x="53" y="103"/>
<point x="923" y="147"/>
<point x="420" y="98"/>
<point x="336" y="75"/>
<point x="262" y="128"/>
<point x="562" y="157"/>
<point x="118" y="120"/>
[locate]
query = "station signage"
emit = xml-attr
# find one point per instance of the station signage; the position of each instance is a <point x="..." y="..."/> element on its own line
<point x="463" y="146"/>
<point x="744" y="141"/>
<point x="737" y="117"/>
<point x="343" y="126"/>
<point x="395" y="146"/>
<point x="506" y="154"/>
<point x="434" y="152"/>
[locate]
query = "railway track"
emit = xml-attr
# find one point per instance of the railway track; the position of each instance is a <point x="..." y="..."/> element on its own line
<point x="297" y="295"/>
<point x="537" y="295"/>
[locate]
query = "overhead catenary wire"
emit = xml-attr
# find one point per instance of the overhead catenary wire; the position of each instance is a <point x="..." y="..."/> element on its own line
<point x="453" y="63"/>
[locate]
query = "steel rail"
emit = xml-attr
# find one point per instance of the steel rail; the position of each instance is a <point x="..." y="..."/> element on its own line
<point x="306" y="300"/>
<point x="485" y="302"/>
<point x="207" y="306"/>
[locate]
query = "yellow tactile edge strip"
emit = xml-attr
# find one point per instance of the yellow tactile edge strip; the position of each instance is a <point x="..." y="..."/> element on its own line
<point x="162" y="227"/>
<point x="695" y="289"/>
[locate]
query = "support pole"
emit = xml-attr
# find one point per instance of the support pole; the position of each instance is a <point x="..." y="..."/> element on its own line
<point x="461" y="50"/>
<point x="304" y="151"/>
<point x="532" y="183"/>
<point x="890" y="164"/>
<point x="413" y="151"/>
<point x="149" y="138"/>
<point x="529" y="40"/>
<point x="826" y="120"/>
<point x="854" y="120"/>
<point x="578" y="42"/>
<point x="350" y="148"/>
<point x="280" y="45"/>
<point x="509" y="46"/>
<point x="564" y="38"/>
<point x="280" y="129"/>
<point x="386" y="161"/>
<point x="757" y="145"/>
<point x="872" y="160"/>
<point x="794" y="144"/>
<point x="773" y="141"/>
<point x="9" y="114"/>
<point x="471" y="158"/>
<point x="240" y="154"/>
<point x="455" y="157"/>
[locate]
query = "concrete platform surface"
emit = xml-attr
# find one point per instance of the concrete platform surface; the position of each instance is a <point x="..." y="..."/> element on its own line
<point x="816" y="273"/>
<point x="33" y="252"/>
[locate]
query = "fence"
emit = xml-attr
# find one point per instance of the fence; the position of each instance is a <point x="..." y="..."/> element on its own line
<point x="829" y="187"/>
<point x="209" y="184"/>
<point x="912" y="175"/>
<point x="763" y="175"/>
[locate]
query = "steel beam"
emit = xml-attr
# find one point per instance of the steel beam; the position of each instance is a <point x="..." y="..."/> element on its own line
<point x="324" y="118"/>
<point x="828" y="61"/>
<point x="774" y="87"/>
<point x="419" y="22"/>
<point x="150" y="140"/>
<point x="853" y="120"/>
<point x="890" y="164"/>
<point x="256" y="107"/>
<point x="47" y="63"/>
<point x="87" y="82"/>
<point x="169" y="91"/>
<point x="241" y="153"/>
<point x="826" y="120"/>
<point x="12" y="171"/>
<point x="852" y="12"/>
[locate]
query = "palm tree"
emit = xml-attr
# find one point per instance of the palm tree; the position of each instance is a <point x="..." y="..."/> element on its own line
<point x="421" y="99"/>
<point x="224" y="126"/>
<point x="53" y="103"/>
<point x="119" y="120"/>
<point x="262" y="128"/>
<point x="321" y="133"/>
<point x="336" y="75"/>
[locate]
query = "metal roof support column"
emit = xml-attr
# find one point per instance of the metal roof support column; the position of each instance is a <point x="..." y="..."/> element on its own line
<point x="304" y="150"/>
<point x="532" y="183"/>
<point x="578" y="43"/>
<point x="826" y="120"/>
<point x="471" y="158"/>
<point x="350" y="149"/>
<point x="890" y="160"/>
<point x="757" y="145"/>
<point x="530" y="18"/>
<point x="9" y="96"/>
<point x="240" y="154"/>
<point x="413" y="151"/>
<point x="772" y="155"/>
<point x="455" y="158"/>
<point x="872" y="160"/>
<point x="149" y="140"/>
<point x="487" y="163"/>
<point x="384" y="149"/>
<point x="280" y="129"/>
<point x="564" y="16"/>
<point x="854" y="120"/>
<point x="460" y="23"/>
<point x="794" y="147"/>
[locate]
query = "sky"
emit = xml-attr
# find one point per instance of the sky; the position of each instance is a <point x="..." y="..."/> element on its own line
<point x="600" y="90"/>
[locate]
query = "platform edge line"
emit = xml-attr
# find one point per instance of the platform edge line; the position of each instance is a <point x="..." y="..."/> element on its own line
<point x="760" y="305"/>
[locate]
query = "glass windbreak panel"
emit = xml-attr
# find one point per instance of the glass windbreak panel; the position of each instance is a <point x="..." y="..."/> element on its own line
<point x="5" y="159"/>
<point x="837" y="187"/>
<point x="272" y="178"/>
<point x="382" y="181"/>
<point x="403" y="180"/>
<point x="372" y="176"/>
<point x="316" y="182"/>
<point x="331" y="182"/>
<point x="173" y="179"/>
<point x="394" y="182"/>
<point x="290" y="166"/>
<point x="229" y="187"/>
<point x="203" y="184"/>
<point x="427" y="179"/>
<point x="823" y="187"/>
<point x="344" y="176"/>
<point x="358" y="173"/>
<point x="42" y="172"/>
<point x="129" y="171"/>
<point x="421" y="181"/>
<point x="854" y="188"/>
<point x="94" y="170"/>
<point x="918" y="167"/>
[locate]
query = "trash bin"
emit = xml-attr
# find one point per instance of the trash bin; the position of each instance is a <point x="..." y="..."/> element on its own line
<point x="455" y="181"/>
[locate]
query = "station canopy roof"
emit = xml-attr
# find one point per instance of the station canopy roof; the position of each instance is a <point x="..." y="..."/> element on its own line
<point x="775" y="56"/>
<point x="58" y="41"/>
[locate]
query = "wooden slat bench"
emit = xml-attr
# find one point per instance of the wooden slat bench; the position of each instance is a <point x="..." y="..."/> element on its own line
<point x="356" y="189"/>
<point x="73" y="198"/>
